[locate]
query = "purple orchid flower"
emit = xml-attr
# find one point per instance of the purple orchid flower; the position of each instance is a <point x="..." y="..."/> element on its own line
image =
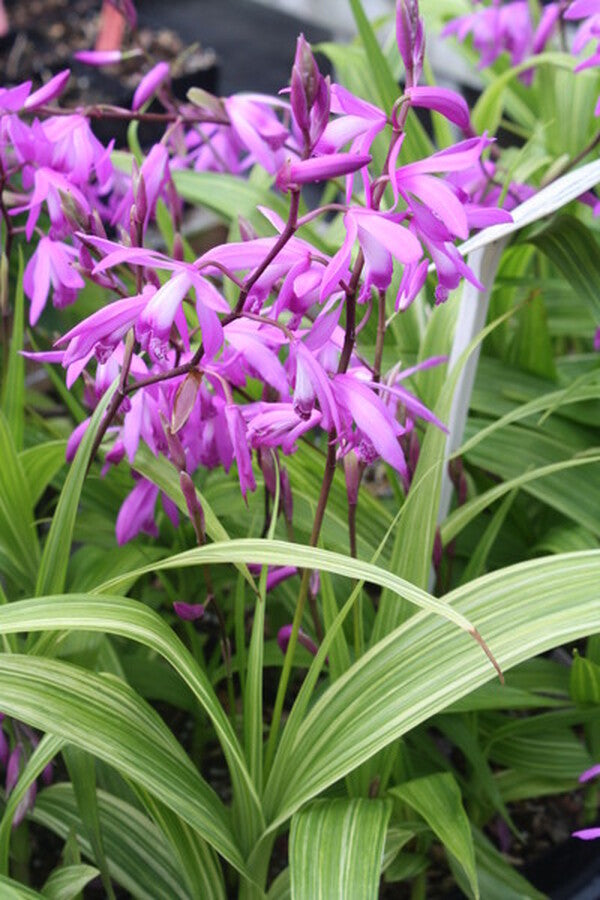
<point x="381" y="236"/>
<point x="588" y="834"/>
<point x="51" y="265"/>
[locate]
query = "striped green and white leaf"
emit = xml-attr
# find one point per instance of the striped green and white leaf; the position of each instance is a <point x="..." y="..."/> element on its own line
<point x="139" y="858"/>
<point x="425" y="665"/>
<point x="438" y="799"/>
<point x="67" y="883"/>
<point x="103" y="716"/>
<point x="135" y="621"/>
<point x="336" y="849"/>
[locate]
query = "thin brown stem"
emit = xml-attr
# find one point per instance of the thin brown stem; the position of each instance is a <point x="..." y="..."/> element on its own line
<point x="379" y="340"/>
<point x="117" y="399"/>
<point x="106" y="111"/>
<point x="595" y="142"/>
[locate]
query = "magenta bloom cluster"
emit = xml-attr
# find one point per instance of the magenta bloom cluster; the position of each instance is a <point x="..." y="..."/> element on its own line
<point x="254" y="345"/>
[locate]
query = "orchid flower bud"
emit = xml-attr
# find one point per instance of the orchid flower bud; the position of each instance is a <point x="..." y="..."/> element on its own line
<point x="195" y="510"/>
<point x="105" y="57"/>
<point x="287" y="499"/>
<point x="149" y="84"/>
<point x="49" y="91"/>
<point x="314" y="583"/>
<point x="268" y="469"/>
<point x="410" y="38"/>
<point x="352" y="473"/>
<point x="309" y="94"/>
<point x="189" y="612"/>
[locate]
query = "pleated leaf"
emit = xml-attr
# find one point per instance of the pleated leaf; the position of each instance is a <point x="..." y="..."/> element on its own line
<point x="584" y="684"/>
<point x="13" y="389"/>
<point x="19" y="549"/>
<point x="336" y="849"/>
<point x="133" y="620"/>
<point x="425" y="665"/>
<point x="138" y="856"/>
<point x="573" y="249"/>
<point x="68" y="882"/>
<point x="52" y="571"/>
<point x="438" y="799"/>
<point x="104" y="717"/>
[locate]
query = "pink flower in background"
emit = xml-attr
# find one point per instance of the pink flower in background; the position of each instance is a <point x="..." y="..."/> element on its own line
<point x="588" y="834"/>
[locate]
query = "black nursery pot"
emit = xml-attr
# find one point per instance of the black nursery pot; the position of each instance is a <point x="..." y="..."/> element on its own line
<point x="28" y="54"/>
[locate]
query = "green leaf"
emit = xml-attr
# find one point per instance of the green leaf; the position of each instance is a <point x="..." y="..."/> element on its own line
<point x="438" y="799"/>
<point x="159" y="471"/>
<point x="13" y="391"/>
<point x="584" y="682"/>
<point x="40" y="464"/>
<point x="566" y="494"/>
<point x="45" y="751"/>
<point x="336" y="849"/>
<point x="383" y="77"/>
<point x="498" y="880"/>
<point x="134" y="620"/>
<point x="13" y="890"/>
<point x="487" y="112"/>
<point x="531" y="348"/>
<point x="412" y="673"/>
<point x="19" y="549"/>
<point x="197" y="863"/>
<point x="227" y="195"/>
<point x="66" y="883"/>
<point x="104" y="717"/>
<point x="406" y="866"/>
<point x="82" y="772"/>
<point x="139" y="858"/>
<point x="276" y="553"/>
<point x="55" y="558"/>
<point x="574" y="250"/>
<point x="479" y="554"/>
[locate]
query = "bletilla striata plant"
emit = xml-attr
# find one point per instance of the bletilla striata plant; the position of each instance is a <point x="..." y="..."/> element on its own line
<point x="203" y="378"/>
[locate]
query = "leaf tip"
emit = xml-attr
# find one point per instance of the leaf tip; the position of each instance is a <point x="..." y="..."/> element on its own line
<point x="475" y="634"/>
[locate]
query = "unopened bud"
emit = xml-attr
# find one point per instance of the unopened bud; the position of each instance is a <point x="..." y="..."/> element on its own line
<point x="207" y="102"/>
<point x="140" y="196"/>
<point x="4" y="748"/>
<point x="194" y="508"/>
<point x="189" y="612"/>
<point x="314" y="583"/>
<point x="13" y="768"/>
<point x="410" y="38"/>
<point x="174" y="446"/>
<point x="178" y="253"/>
<point x="287" y="498"/>
<point x="185" y="400"/>
<point x="247" y="230"/>
<point x="266" y="461"/>
<point x="73" y="211"/>
<point x="352" y="473"/>
<point x="97" y="224"/>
